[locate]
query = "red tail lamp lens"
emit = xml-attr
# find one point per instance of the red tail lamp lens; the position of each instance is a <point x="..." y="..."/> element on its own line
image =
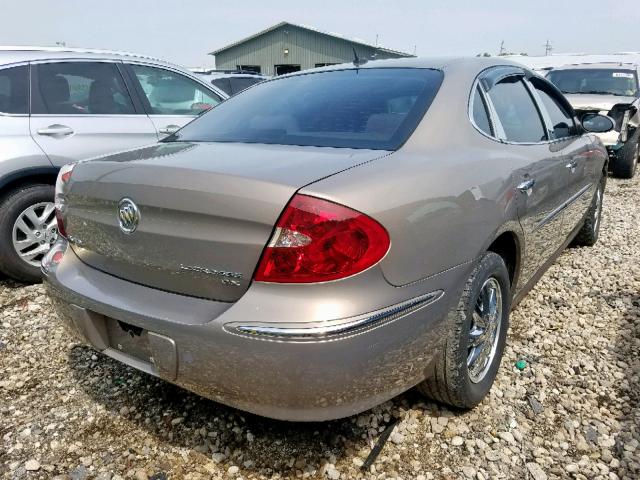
<point x="317" y="240"/>
<point x="60" y="221"/>
<point x="64" y="176"/>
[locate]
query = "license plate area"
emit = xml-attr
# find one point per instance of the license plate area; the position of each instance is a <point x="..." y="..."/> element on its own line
<point x="128" y="339"/>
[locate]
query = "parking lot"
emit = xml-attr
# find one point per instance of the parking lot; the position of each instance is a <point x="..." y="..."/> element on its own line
<point x="573" y="411"/>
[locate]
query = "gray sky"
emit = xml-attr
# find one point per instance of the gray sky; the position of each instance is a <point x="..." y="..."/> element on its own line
<point x="184" y="31"/>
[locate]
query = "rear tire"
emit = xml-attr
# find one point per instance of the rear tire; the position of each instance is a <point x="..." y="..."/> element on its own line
<point x="624" y="165"/>
<point x="588" y="234"/>
<point x="12" y="207"/>
<point x="457" y="379"/>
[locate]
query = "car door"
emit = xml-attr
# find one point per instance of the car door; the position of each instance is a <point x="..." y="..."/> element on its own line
<point x="171" y="99"/>
<point x="539" y="174"/>
<point x="581" y="162"/>
<point x="82" y="109"/>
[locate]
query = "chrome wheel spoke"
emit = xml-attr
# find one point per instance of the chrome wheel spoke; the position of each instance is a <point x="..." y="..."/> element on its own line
<point x="23" y="227"/>
<point x="30" y="255"/>
<point x="484" y="330"/>
<point x="476" y="336"/>
<point x="473" y="357"/>
<point x="479" y="320"/>
<point x="27" y="242"/>
<point x="33" y="217"/>
<point x="48" y="213"/>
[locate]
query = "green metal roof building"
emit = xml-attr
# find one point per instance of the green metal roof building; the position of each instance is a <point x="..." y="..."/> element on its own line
<point x="287" y="47"/>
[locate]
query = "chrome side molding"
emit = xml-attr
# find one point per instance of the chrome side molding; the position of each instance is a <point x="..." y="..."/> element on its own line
<point x="334" y="329"/>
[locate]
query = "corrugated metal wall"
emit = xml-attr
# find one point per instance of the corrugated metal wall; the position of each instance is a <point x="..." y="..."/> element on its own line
<point x="306" y="48"/>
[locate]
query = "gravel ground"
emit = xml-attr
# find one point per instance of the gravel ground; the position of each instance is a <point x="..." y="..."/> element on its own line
<point x="572" y="412"/>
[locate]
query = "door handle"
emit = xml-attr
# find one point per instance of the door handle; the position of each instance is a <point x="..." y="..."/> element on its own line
<point x="526" y="186"/>
<point x="55" y="130"/>
<point x="169" y="129"/>
<point x="572" y="165"/>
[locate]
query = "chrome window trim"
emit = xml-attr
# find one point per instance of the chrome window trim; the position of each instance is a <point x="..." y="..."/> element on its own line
<point x="13" y="65"/>
<point x="504" y="140"/>
<point x="546" y="117"/>
<point x="75" y="60"/>
<point x="89" y="115"/>
<point x="477" y="88"/>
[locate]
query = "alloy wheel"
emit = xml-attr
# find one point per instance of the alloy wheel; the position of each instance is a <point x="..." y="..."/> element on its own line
<point x="485" y="330"/>
<point x="34" y="231"/>
<point x="597" y="210"/>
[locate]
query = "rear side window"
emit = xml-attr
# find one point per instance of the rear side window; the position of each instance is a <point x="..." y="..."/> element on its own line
<point x="479" y="111"/>
<point x="223" y="84"/>
<point x="14" y="90"/>
<point x="376" y="108"/>
<point x="242" y="83"/>
<point x="517" y="112"/>
<point x="562" y="122"/>
<point x="81" y="88"/>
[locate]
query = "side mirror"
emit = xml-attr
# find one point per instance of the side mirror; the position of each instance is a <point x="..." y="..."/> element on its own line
<point x="596" y="123"/>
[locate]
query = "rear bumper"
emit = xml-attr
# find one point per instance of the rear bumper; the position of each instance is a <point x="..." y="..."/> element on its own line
<point x="195" y="343"/>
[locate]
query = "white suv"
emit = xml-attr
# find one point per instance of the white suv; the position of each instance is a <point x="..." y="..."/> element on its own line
<point x="60" y="105"/>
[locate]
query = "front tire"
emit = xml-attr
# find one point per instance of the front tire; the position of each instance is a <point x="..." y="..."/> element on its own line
<point x="467" y="368"/>
<point x="590" y="231"/>
<point x="624" y="165"/>
<point x="27" y="230"/>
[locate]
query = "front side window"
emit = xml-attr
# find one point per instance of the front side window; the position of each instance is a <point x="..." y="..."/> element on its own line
<point x="596" y="81"/>
<point x="14" y="90"/>
<point x="562" y="122"/>
<point x="479" y="111"/>
<point x="517" y="112"/>
<point x="81" y="88"/>
<point x="376" y="108"/>
<point x="170" y="93"/>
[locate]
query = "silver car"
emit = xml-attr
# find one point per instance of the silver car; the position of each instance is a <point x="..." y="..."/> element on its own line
<point x="61" y="105"/>
<point x="610" y="89"/>
<point x="323" y="241"/>
<point x="231" y="82"/>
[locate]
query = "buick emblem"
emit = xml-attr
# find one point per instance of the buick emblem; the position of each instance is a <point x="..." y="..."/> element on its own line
<point x="128" y="215"/>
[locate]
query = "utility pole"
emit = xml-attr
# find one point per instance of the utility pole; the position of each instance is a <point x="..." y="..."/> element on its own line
<point x="502" y="50"/>
<point x="548" y="48"/>
<point x="376" y="39"/>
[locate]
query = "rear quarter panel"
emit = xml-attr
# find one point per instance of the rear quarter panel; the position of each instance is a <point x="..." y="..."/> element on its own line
<point x="443" y="197"/>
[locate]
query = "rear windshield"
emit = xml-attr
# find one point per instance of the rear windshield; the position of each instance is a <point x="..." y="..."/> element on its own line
<point x="366" y="108"/>
<point x="605" y="81"/>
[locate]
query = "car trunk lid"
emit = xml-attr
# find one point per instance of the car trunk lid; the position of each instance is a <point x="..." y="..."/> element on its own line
<point x="206" y="210"/>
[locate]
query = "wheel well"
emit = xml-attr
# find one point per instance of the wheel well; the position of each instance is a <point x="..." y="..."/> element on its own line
<point x="36" y="179"/>
<point x="507" y="246"/>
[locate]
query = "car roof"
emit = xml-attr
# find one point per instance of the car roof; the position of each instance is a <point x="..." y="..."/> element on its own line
<point x="469" y="65"/>
<point x="15" y="54"/>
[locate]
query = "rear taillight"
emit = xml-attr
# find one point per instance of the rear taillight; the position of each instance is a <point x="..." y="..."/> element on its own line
<point x="64" y="177"/>
<point x="316" y="241"/>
